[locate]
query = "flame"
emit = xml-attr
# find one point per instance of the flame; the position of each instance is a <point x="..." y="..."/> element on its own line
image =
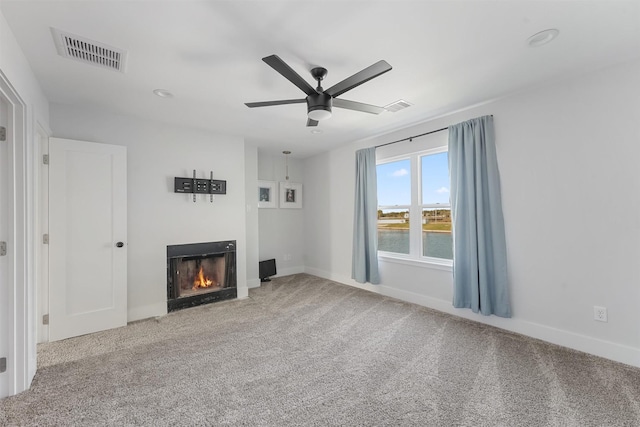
<point x="201" y="281"/>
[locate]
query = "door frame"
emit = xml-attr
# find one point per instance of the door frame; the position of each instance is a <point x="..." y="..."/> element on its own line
<point x="41" y="209"/>
<point x="20" y="363"/>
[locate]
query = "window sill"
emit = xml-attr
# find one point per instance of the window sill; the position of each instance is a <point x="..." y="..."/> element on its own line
<point x="432" y="263"/>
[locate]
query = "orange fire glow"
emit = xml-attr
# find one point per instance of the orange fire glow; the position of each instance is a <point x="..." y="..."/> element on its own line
<point x="201" y="281"/>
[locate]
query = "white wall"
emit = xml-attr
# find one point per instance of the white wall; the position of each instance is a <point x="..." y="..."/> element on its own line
<point x="18" y="332"/>
<point x="568" y="156"/>
<point x="251" y="183"/>
<point x="15" y="67"/>
<point x="282" y="230"/>
<point x="157" y="217"/>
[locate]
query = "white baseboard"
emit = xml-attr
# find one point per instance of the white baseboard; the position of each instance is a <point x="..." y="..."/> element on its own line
<point x="607" y="349"/>
<point x="147" y="311"/>
<point x="253" y="283"/>
<point x="243" y="292"/>
<point x="289" y="271"/>
<point x="32" y="370"/>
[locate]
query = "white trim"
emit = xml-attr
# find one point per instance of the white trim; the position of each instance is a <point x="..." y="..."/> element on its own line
<point x="394" y="207"/>
<point x="253" y="283"/>
<point x="147" y="311"/>
<point x="41" y="216"/>
<point x="243" y="291"/>
<point x="289" y="271"/>
<point x="19" y="365"/>
<point x="424" y="262"/>
<point x="606" y="349"/>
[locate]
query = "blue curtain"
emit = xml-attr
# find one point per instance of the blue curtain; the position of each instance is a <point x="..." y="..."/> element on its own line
<point x="480" y="255"/>
<point x="365" y="219"/>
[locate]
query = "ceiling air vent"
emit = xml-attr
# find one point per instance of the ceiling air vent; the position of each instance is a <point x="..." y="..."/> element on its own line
<point x="398" y="105"/>
<point x="89" y="51"/>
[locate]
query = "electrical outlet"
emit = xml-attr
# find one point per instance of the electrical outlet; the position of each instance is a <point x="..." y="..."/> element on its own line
<point x="599" y="313"/>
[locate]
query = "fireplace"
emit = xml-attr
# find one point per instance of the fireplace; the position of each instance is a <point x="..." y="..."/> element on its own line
<point x="200" y="273"/>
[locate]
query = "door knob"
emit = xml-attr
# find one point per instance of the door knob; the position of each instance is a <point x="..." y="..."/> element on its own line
<point x="119" y="244"/>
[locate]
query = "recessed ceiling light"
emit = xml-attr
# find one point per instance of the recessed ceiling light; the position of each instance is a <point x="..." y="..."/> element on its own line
<point x="316" y="131"/>
<point x="543" y="37"/>
<point x="163" y="93"/>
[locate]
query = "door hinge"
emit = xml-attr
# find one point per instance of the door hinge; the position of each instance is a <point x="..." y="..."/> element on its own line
<point x="3" y="364"/>
<point x="45" y="159"/>
<point x="45" y="319"/>
<point x="3" y="248"/>
<point x="45" y="239"/>
<point x="3" y="133"/>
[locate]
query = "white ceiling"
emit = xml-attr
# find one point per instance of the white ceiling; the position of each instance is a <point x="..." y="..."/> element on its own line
<point x="446" y="55"/>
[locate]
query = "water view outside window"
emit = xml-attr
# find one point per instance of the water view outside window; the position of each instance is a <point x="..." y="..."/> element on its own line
<point x="432" y="209"/>
<point x="393" y="231"/>
<point x="394" y="200"/>
<point x="437" y="240"/>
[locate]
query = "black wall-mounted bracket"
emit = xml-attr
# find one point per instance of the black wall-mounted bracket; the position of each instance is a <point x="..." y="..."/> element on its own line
<point x="200" y="186"/>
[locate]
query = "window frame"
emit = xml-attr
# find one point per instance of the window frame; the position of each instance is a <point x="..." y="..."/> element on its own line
<point x="415" y="256"/>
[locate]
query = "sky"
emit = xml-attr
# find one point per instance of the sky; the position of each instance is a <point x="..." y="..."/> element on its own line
<point x="394" y="181"/>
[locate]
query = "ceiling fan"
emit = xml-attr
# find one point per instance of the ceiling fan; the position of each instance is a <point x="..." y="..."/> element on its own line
<point x="320" y="101"/>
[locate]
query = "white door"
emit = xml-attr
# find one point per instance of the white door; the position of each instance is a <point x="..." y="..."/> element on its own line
<point x="6" y="311"/>
<point x="87" y="237"/>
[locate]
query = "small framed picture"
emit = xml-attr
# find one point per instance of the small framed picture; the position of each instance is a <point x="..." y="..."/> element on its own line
<point x="267" y="194"/>
<point x="290" y="195"/>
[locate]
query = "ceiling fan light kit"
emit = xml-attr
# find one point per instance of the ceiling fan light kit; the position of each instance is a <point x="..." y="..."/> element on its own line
<point x="319" y="107"/>
<point x="320" y="102"/>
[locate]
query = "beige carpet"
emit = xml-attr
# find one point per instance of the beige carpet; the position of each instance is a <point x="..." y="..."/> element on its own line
<point x="307" y="351"/>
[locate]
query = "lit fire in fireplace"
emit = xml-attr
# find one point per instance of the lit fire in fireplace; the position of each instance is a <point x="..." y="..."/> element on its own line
<point x="201" y="281"/>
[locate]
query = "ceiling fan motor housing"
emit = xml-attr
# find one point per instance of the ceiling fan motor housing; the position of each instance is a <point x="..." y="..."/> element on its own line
<point x="320" y="101"/>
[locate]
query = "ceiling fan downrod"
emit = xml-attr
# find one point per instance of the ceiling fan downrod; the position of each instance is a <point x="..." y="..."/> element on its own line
<point x="319" y="73"/>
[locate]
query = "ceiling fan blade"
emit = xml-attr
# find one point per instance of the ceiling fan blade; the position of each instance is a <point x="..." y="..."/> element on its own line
<point x="280" y="66"/>
<point x="358" y="78"/>
<point x="270" y="103"/>
<point x="311" y="122"/>
<point x="357" y="106"/>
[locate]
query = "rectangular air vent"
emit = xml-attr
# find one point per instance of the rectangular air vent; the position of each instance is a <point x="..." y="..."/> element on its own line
<point x="398" y="105"/>
<point x="89" y="51"/>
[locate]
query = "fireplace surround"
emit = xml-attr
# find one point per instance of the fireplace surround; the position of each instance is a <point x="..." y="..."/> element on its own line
<point x="200" y="273"/>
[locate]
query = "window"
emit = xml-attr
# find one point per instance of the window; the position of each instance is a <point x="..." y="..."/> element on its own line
<point x="414" y="213"/>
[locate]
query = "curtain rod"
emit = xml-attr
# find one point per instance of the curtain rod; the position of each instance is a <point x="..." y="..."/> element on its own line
<point x="411" y="137"/>
<point x="415" y="136"/>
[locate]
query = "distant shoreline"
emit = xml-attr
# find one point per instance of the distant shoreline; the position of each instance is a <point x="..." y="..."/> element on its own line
<point x="406" y="229"/>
